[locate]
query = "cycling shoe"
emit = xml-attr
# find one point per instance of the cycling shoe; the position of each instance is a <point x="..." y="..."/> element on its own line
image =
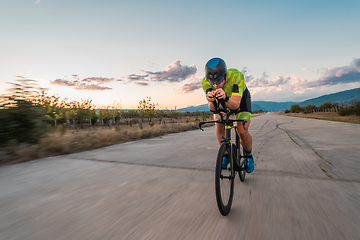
<point x="249" y="164"/>
<point x="225" y="162"/>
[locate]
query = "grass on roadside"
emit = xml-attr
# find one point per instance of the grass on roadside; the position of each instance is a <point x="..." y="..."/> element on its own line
<point x="331" y="116"/>
<point x="65" y="142"/>
<point x="57" y="142"/>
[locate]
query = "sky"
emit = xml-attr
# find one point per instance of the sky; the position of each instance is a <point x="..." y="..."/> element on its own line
<point x="122" y="51"/>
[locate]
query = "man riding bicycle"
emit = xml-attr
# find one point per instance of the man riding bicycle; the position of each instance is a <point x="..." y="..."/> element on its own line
<point x="227" y="85"/>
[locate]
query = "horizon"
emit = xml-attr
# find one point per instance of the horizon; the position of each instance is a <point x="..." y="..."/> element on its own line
<point x="295" y="102"/>
<point x="126" y="51"/>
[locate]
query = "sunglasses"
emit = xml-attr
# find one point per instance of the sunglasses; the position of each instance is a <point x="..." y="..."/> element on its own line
<point x="218" y="80"/>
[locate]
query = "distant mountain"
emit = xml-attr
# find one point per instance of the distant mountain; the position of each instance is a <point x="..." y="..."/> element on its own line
<point x="255" y="105"/>
<point x="200" y="108"/>
<point x="270" y="106"/>
<point x="344" y="97"/>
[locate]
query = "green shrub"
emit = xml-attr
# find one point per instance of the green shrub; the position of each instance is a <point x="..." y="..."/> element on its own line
<point x="257" y="111"/>
<point x="357" y="108"/>
<point x="326" y="105"/>
<point x="295" y="108"/>
<point x="309" y="108"/>
<point x="354" y="108"/>
<point x="21" y="123"/>
<point x="20" y="118"/>
<point x="344" y="111"/>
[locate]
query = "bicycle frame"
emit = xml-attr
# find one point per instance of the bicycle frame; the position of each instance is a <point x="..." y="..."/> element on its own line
<point x="229" y="124"/>
<point x="224" y="180"/>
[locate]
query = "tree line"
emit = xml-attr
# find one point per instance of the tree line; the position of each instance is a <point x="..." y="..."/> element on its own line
<point x="27" y="110"/>
<point x="342" y="110"/>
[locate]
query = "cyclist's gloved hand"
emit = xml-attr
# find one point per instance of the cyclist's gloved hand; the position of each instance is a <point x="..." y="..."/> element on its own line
<point x="210" y="96"/>
<point x="220" y="94"/>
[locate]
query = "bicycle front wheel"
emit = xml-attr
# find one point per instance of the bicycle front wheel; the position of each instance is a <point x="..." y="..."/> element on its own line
<point x="224" y="182"/>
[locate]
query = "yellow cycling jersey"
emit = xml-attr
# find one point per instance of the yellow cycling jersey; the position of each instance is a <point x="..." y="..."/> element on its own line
<point x="234" y="86"/>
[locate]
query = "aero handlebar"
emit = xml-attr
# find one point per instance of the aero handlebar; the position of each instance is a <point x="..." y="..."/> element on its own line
<point x="220" y="107"/>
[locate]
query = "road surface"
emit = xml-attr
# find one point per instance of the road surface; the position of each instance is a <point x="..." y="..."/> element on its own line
<point x="306" y="185"/>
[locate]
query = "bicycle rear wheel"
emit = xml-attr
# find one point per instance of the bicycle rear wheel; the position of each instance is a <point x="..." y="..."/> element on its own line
<point x="239" y="157"/>
<point x="242" y="166"/>
<point x="224" y="182"/>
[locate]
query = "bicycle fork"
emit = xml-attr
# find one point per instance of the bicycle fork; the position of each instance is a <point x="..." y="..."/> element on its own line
<point x="228" y="141"/>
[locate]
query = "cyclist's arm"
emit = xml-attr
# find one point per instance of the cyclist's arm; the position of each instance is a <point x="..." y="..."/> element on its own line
<point x="210" y="97"/>
<point x="211" y="107"/>
<point x="236" y="95"/>
<point x="234" y="102"/>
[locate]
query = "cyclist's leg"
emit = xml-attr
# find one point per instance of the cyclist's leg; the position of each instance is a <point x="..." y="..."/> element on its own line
<point x="220" y="133"/>
<point x="245" y="114"/>
<point x="219" y="128"/>
<point x="245" y="137"/>
<point x="246" y="140"/>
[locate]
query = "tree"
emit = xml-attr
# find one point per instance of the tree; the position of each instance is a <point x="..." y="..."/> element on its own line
<point x="309" y="108"/>
<point x="52" y="107"/>
<point x="295" y="108"/>
<point x="72" y="109"/>
<point x="118" y="113"/>
<point x="21" y="117"/>
<point x="103" y="114"/>
<point x="130" y="114"/>
<point x="114" y="113"/>
<point x="357" y="107"/>
<point x="326" y="105"/>
<point x="85" y="111"/>
<point x="147" y="108"/>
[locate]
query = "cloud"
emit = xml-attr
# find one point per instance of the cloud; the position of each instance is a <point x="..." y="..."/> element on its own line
<point x="191" y="87"/>
<point x="62" y="82"/>
<point x="292" y="83"/>
<point x="258" y="82"/>
<point x="86" y="84"/>
<point x="38" y="1"/>
<point x="141" y="83"/>
<point x="91" y="87"/>
<point x="339" y="75"/>
<point x="279" y="80"/>
<point x="263" y="82"/>
<point x="303" y="69"/>
<point x="136" y="79"/>
<point x="174" y="72"/>
<point x="298" y="83"/>
<point x="98" y="79"/>
<point x="331" y="77"/>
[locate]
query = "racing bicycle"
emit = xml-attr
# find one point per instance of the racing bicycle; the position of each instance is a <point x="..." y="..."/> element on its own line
<point x="224" y="178"/>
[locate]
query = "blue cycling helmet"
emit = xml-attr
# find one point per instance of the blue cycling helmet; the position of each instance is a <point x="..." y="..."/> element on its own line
<point x="215" y="70"/>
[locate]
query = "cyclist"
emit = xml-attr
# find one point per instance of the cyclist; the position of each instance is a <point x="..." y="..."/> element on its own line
<point x="228" y="85"/>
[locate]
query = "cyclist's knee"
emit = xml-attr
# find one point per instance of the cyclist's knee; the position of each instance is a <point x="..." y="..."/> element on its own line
<point x="216" y="117"/>
<point x="219" y="127"/>
<point x="241" y="131"/>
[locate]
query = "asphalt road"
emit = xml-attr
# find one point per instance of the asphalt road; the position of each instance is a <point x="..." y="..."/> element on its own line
<point x="306" y="185"/>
